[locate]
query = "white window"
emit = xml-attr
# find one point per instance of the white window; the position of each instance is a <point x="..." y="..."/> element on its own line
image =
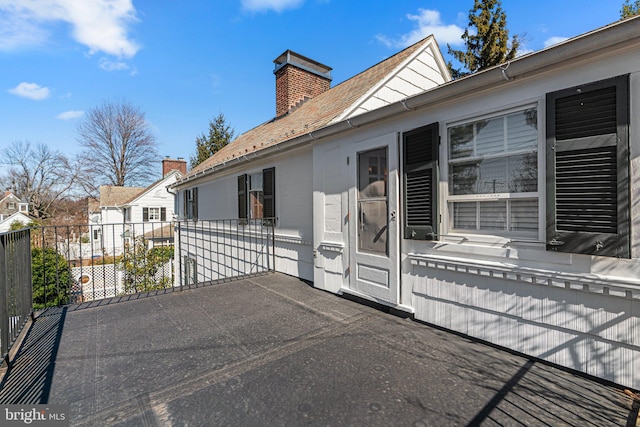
<point x="493" y="174"/>
<point x="154" y="214"/>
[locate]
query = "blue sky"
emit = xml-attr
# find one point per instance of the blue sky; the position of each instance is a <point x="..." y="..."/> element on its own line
<point x="184" y="62"/>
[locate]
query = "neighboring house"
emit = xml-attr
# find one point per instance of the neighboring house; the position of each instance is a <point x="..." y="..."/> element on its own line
<point x="12" y="209"/>
<point x="10" y="204"/>
<point x="5" y="224"/>
<point x="123" y="213"/>
<point x="503" y="205"/>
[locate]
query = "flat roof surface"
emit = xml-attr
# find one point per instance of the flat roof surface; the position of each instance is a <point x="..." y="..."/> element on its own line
<point x="271" y="350"/>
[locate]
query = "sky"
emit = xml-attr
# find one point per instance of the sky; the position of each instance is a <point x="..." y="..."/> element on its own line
<point x="184" y="62"/>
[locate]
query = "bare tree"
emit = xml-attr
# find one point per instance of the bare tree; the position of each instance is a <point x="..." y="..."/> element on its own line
<point x="39" y="175"/>
<point x="119" y="147"/>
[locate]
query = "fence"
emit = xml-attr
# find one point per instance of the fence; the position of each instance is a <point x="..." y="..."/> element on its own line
<point x="219" y="249"/>
<point x="56" y="265"/>
<point x="79" y="263"/>
<point x="15" y="286"/>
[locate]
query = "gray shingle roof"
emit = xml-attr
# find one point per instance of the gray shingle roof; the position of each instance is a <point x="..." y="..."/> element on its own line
<point x="312" y="115"/>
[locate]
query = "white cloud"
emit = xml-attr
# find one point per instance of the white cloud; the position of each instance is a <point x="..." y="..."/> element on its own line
<point x="31" y="90"/>
<point x="69" y="115"/>
<point x="17" y="31"/>
<point x="109" y="65"/>
<point x="554" y="40"/>
<point x="427" y="22"/>
<point x="101" y="25"/>
<point x="276" y="5"/>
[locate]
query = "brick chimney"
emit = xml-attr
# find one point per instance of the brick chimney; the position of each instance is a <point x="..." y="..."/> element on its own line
<point x="297" y="79"/>
<point x="169" y="165"/>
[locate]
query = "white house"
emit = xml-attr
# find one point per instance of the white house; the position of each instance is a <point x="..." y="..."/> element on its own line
<point x="13" y="209"/>
<point x="23" y="218"/>
<point x="126" y="212"/>
<point x="11" y="204"/>
<point x="504" y="205"/>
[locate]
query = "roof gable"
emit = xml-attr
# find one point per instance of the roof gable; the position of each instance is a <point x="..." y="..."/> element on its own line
<point x="17" y="216"/>
<point x="113" y="195"/>
<point x="9" y="195"/>
<point x="424" y="69"/>
<point x="163" y="182"/>
<point x="320" y="111"/>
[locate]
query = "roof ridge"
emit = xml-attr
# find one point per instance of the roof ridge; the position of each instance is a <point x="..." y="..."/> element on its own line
<point x="309" y="116"/>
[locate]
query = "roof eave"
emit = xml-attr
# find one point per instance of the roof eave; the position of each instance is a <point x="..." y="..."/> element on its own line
<point x="619" y="34"/>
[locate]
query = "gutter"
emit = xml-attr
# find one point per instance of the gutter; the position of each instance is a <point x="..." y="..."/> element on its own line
<point x="618" y="35"/>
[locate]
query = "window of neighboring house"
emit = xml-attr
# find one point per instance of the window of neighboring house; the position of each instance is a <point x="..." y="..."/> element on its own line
<point x="154" y="214"/>
<point x="127" y="214"/>
<point x="588" y="169"/>
<point x="96" y="234"/>
<point x="190" y="203"/>
<point x="493" y="174"/>
<point x="11" y="205"/>
<point x="256" y="195"/>
<point x="23" y="207"/>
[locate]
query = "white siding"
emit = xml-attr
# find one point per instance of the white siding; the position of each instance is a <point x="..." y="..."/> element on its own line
<point x="582" y="312"/>
<point x="218" y="199"/>
<point x="421" y="72"/>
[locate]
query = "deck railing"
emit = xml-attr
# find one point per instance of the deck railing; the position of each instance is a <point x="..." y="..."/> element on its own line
<point x="15" y="286"/>
<point x="58" y="265"/>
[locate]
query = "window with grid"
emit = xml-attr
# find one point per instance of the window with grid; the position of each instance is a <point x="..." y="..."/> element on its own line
<point x="493" y="174"/>
<point x="154" y="214"/>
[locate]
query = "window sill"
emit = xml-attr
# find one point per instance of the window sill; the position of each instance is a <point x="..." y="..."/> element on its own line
<point x="603" y="285"/>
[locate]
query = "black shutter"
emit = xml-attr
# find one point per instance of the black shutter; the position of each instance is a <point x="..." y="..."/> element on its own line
<point x="420" y="182"/>
<point x="145" y="214"/>
<point x="269" y="193"/>
<point x="194" y="203"/>
<point x="185" y="205"/>
<point x="243" y="209"/>
<point x="588" y="169"/>
<point x="163" y="214"/>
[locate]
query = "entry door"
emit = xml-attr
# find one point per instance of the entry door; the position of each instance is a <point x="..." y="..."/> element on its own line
<point x="373" y="234"/>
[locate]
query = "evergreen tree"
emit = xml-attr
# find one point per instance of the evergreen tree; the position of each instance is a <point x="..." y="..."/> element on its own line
<point x="628" y="9"/>
<point x="51" y="278"/>
<point x="487" y="44"/>
<point x="220" y="134"/>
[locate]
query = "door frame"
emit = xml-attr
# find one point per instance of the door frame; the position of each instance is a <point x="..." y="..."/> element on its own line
<point x="362" y="281"/>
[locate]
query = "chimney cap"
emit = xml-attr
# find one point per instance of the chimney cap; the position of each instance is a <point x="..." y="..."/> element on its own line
<point x="290" y="57"/>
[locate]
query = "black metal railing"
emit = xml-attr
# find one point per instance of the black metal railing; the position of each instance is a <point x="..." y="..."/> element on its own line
<point x="79" y="263"/>
<point x="219" y="249"/>
<point x="15" y="286"/>
<point x="57" y="265"/>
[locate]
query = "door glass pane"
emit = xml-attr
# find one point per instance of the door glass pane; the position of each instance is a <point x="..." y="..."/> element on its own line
<point x="372" y="174"/>
<point x="372" y="231"/>
<point x="372" y="201"/>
